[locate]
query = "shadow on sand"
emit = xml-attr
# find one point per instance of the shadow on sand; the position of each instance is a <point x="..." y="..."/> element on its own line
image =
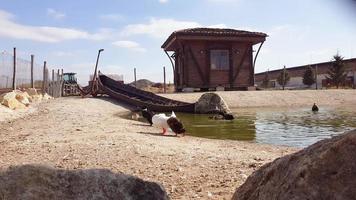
<point x="111" y="100"/>
<point x="156" y="134"/>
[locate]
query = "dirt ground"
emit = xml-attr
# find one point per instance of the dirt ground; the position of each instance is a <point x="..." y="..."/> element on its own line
<point x="76" y="133"/>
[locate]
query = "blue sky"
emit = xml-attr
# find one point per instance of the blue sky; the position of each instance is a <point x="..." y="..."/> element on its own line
<point x="68" y="33"/>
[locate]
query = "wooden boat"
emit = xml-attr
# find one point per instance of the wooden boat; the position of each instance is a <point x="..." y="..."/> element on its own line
<point x="140" y="98"/>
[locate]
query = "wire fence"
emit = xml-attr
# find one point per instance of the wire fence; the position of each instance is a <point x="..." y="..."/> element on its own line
<point x="28" y="73"/>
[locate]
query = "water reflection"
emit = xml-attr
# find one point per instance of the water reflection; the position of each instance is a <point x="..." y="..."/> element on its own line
<point x="297" y="127"/>
<point x="242" y="128"/>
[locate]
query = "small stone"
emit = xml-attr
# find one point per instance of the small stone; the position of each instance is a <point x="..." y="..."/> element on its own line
<point x="210" y="194"/>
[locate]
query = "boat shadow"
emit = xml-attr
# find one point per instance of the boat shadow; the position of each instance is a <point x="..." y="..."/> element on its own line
<point x="145" y="125"/>
<point x="156" y="134"/>
<point x="114" y="101"/>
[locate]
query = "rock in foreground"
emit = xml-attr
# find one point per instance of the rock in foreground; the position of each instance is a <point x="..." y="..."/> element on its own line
<point x="39" y="182"/>
<point x="325" y="170"/>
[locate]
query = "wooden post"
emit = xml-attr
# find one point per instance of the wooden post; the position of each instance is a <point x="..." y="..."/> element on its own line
<point x="52" y="83"/>
<point x="7" y="81"/>
<point x="284" y="77"/>
<point x="135" y="76"/>
<point x="164" y="79"/>
<point x="44" y="78"/>
<point x="14" y="71"/>
<point x="32" y="62"/>
<point x="316" y="77"/>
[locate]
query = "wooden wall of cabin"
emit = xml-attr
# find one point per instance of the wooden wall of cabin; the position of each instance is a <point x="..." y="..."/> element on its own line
<point x="242" y="65"/>
<point x="193" y="61"/>
<point x="195" y="65"/>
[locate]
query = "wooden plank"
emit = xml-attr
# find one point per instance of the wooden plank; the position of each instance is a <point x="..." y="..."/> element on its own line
<point x="44" y="78"/>
<point x="231" y="69"/>
<point x="252" y="71"/>
<point x="32" y="62"/>
<point x="164" y="79"/>
<point x="240" y="64"/>
<point x="208" y="64"/>
<point x="201" y="74"/>
<point x="14" y="72"/>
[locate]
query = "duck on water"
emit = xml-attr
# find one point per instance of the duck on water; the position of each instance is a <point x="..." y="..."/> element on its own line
<point x="315" y="108"/>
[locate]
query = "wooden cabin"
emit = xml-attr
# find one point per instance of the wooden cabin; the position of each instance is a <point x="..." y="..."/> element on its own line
<point x="211" y="58"/>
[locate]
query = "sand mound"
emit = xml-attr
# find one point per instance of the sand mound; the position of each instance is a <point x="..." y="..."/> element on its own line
<point x="325" y="170"/>
<point x="39" y="182"/>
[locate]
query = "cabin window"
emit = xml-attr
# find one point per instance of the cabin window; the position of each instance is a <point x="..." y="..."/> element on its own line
<point x="219" y="59"/>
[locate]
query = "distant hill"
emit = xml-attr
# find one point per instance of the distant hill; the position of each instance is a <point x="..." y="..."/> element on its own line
<point x="150" y="86"/>
<point x="142" y="83"/>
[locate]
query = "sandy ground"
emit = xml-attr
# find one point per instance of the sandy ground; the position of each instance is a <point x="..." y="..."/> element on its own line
<point x="75" y="133"/>
<point x="8" y="114"/>
<point x="286" y="98"/>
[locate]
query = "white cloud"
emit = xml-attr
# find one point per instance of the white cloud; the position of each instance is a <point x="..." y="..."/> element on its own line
<point x="63" y="54"/>
<point x="163" y="1"/>
<point x="43" y="33"/>
<point x="129" y="45"/>
<point x="162" y="28"/>
<point x="111" y="17"/>
<point x="55" y="14"/>
<point x="224" y="1"/>
<point x="159" y="28"/>
<point x="218" y="26"/>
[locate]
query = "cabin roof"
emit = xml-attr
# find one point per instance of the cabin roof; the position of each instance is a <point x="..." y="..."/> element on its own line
<point x="212" y="34"/>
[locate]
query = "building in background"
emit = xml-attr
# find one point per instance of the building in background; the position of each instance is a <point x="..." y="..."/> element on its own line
<point x="210" y="58"/>
<point x="296" y="75"/>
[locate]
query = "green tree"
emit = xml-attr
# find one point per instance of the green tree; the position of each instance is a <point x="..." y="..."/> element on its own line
<point x="283" y="77"/>
<point x="265" y="81"/>
<point x="336" y="74"/>
<point x="308" y="77"/>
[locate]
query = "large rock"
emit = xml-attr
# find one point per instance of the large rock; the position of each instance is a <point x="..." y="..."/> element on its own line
<point x="31" y="91"/>
<point x="12" y="100"/>
<point x="46" y="96"/>
<point x="39" y="182"/>
<point x="34" y="96"/>
<point x="211" y="103"/>
<point x="23" y="97"/>
<point x="325" y="170"/>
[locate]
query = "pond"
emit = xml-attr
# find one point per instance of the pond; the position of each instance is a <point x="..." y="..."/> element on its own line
<point x="297" y="127"/>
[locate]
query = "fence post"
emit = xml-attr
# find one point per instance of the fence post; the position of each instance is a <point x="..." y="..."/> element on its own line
<point x="14" y="71"/>
<point x="316" y="77"/>
<point x="164" y="79"/>
<point x="58" y="85"/>
<point x="135" y="76"/>
<point x="44" y="78"/>
<point x="32" y="61"/>
<point x="52" y="83"/>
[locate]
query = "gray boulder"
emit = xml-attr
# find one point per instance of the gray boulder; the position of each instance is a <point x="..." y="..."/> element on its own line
<point x="325" y="170"/>
<point x="211" y="103"/>
<point x="40" y="182"/>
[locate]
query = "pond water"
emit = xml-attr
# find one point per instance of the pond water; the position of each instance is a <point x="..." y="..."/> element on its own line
<point x="298" y="127"/>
